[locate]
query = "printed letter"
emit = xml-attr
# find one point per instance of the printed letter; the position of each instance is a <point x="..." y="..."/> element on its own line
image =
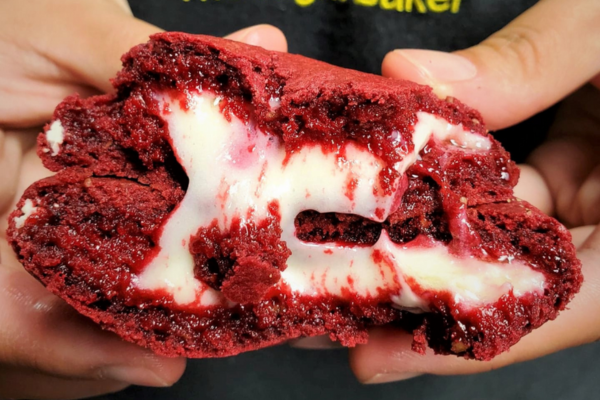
<point x="455" y="6"/>
<point x="304" y="3"/>
<point x="388" y="4"/>
<point x="366" y="3"/>
<point x="438" y="6"/>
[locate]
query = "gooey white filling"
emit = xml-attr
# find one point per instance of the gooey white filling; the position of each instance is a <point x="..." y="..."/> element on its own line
<point x="55" y="136"/>
<point x="233" y="167"/>
<point x="28" y="210"/>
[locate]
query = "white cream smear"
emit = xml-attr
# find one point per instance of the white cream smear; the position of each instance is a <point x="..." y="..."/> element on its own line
<point x="28" y="210"/>
<point x="234" y="167"/>
<point x="55" y="136"/>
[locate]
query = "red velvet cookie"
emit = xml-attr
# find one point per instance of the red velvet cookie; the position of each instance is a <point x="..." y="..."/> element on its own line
<point x="228" y="198"/>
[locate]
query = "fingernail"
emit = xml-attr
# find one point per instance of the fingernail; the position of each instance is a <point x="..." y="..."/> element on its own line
<point x="438" y="69"/>
<point x="134" y="376"/>
<point x="315" y="343"/>
<point x="391" y="377"/>
<point x="438" y="66"/>
<point x="248" y="35"/>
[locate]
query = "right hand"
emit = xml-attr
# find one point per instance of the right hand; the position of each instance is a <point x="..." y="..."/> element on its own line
<point x="540" y="58"/>
<point x="49" y="50"/>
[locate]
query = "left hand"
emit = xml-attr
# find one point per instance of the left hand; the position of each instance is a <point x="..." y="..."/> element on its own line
<point x="49" y="50"/>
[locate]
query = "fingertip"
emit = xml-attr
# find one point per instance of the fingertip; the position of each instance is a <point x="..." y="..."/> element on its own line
<point x="169" y="369"/>
<point x="383" y="357"/>
<point x="118" y="360"/>
<point x="271" y="38"/>
<point x="457" y="75"/>
<point x="398" y="64"/>
<point x="448" y="74"/>
<point x="155" y="371"/>
<point x="437" y="69"/>
<point x="124" y="4"/>
<point x="105" y="45"/>
<point x="315" y="343"/>
<point x="137" y="31"/>
<point x="389" y="378"/>
<point x="588" y="197"/>
<point x="395" y="66"/>
<point x="581" y="234"/>
<point x="266" y="36"/>
<point x="388" y="357"/>
<point x="592" y="242"/>
<point x="532" y="187"/>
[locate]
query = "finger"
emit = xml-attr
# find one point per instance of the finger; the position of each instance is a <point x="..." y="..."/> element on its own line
<point x="588" y="197"/>
<point x="39" y="332"/>
<point x="315" y="343"/>
<point x="104" y="36"/>
<point x="23" y="384"/>
<point x="388" y="355"/>
<point x="518" y="71"/>
<point x="533" y="188"/>
<point x="12" y="147"/>
<point x="581" y="235"/>
<point x="569" y="160"/>
<point x="86" y="39"/>
<point x="34" y="98"/>
<point x="76" y="51"/>
<point x="124" y="4"/>
<point x="30" y="169"/>
<point x="51" y="50"/>
<point x="591" y="246"/>
<point x="266" y="36"/>
<point x="565" y="164"/>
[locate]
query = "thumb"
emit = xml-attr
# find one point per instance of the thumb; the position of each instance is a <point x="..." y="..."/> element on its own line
<point x="88" y="39"/>
<point x="83" y="40"/>
<point x="51" y="50"/>
<point x="47" y="350"/>
<point x="104" y="63"/>
<point x="536" y="60"/>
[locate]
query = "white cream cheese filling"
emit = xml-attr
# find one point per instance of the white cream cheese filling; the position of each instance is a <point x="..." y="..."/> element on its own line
<point x="233" y="167"/>
<point x="28" y="210"/>
<point x="55" y="137"/>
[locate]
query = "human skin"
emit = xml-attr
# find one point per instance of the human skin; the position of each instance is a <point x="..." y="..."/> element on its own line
<point x="49" y="50"/>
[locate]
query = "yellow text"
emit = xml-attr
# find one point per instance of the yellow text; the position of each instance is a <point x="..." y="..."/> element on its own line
<point x="420" y="6"/>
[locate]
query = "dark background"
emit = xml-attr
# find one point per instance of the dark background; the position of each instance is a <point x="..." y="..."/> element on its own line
<point x="358" y="37"/>
<point x="283" y="373"/>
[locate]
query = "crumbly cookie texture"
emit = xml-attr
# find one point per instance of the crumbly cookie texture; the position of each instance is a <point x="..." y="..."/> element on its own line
<point x="228" y="198"/>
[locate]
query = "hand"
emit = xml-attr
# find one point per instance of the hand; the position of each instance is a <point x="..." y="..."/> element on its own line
<point x="49" y="50"/>
<point x="538" y="59"/>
